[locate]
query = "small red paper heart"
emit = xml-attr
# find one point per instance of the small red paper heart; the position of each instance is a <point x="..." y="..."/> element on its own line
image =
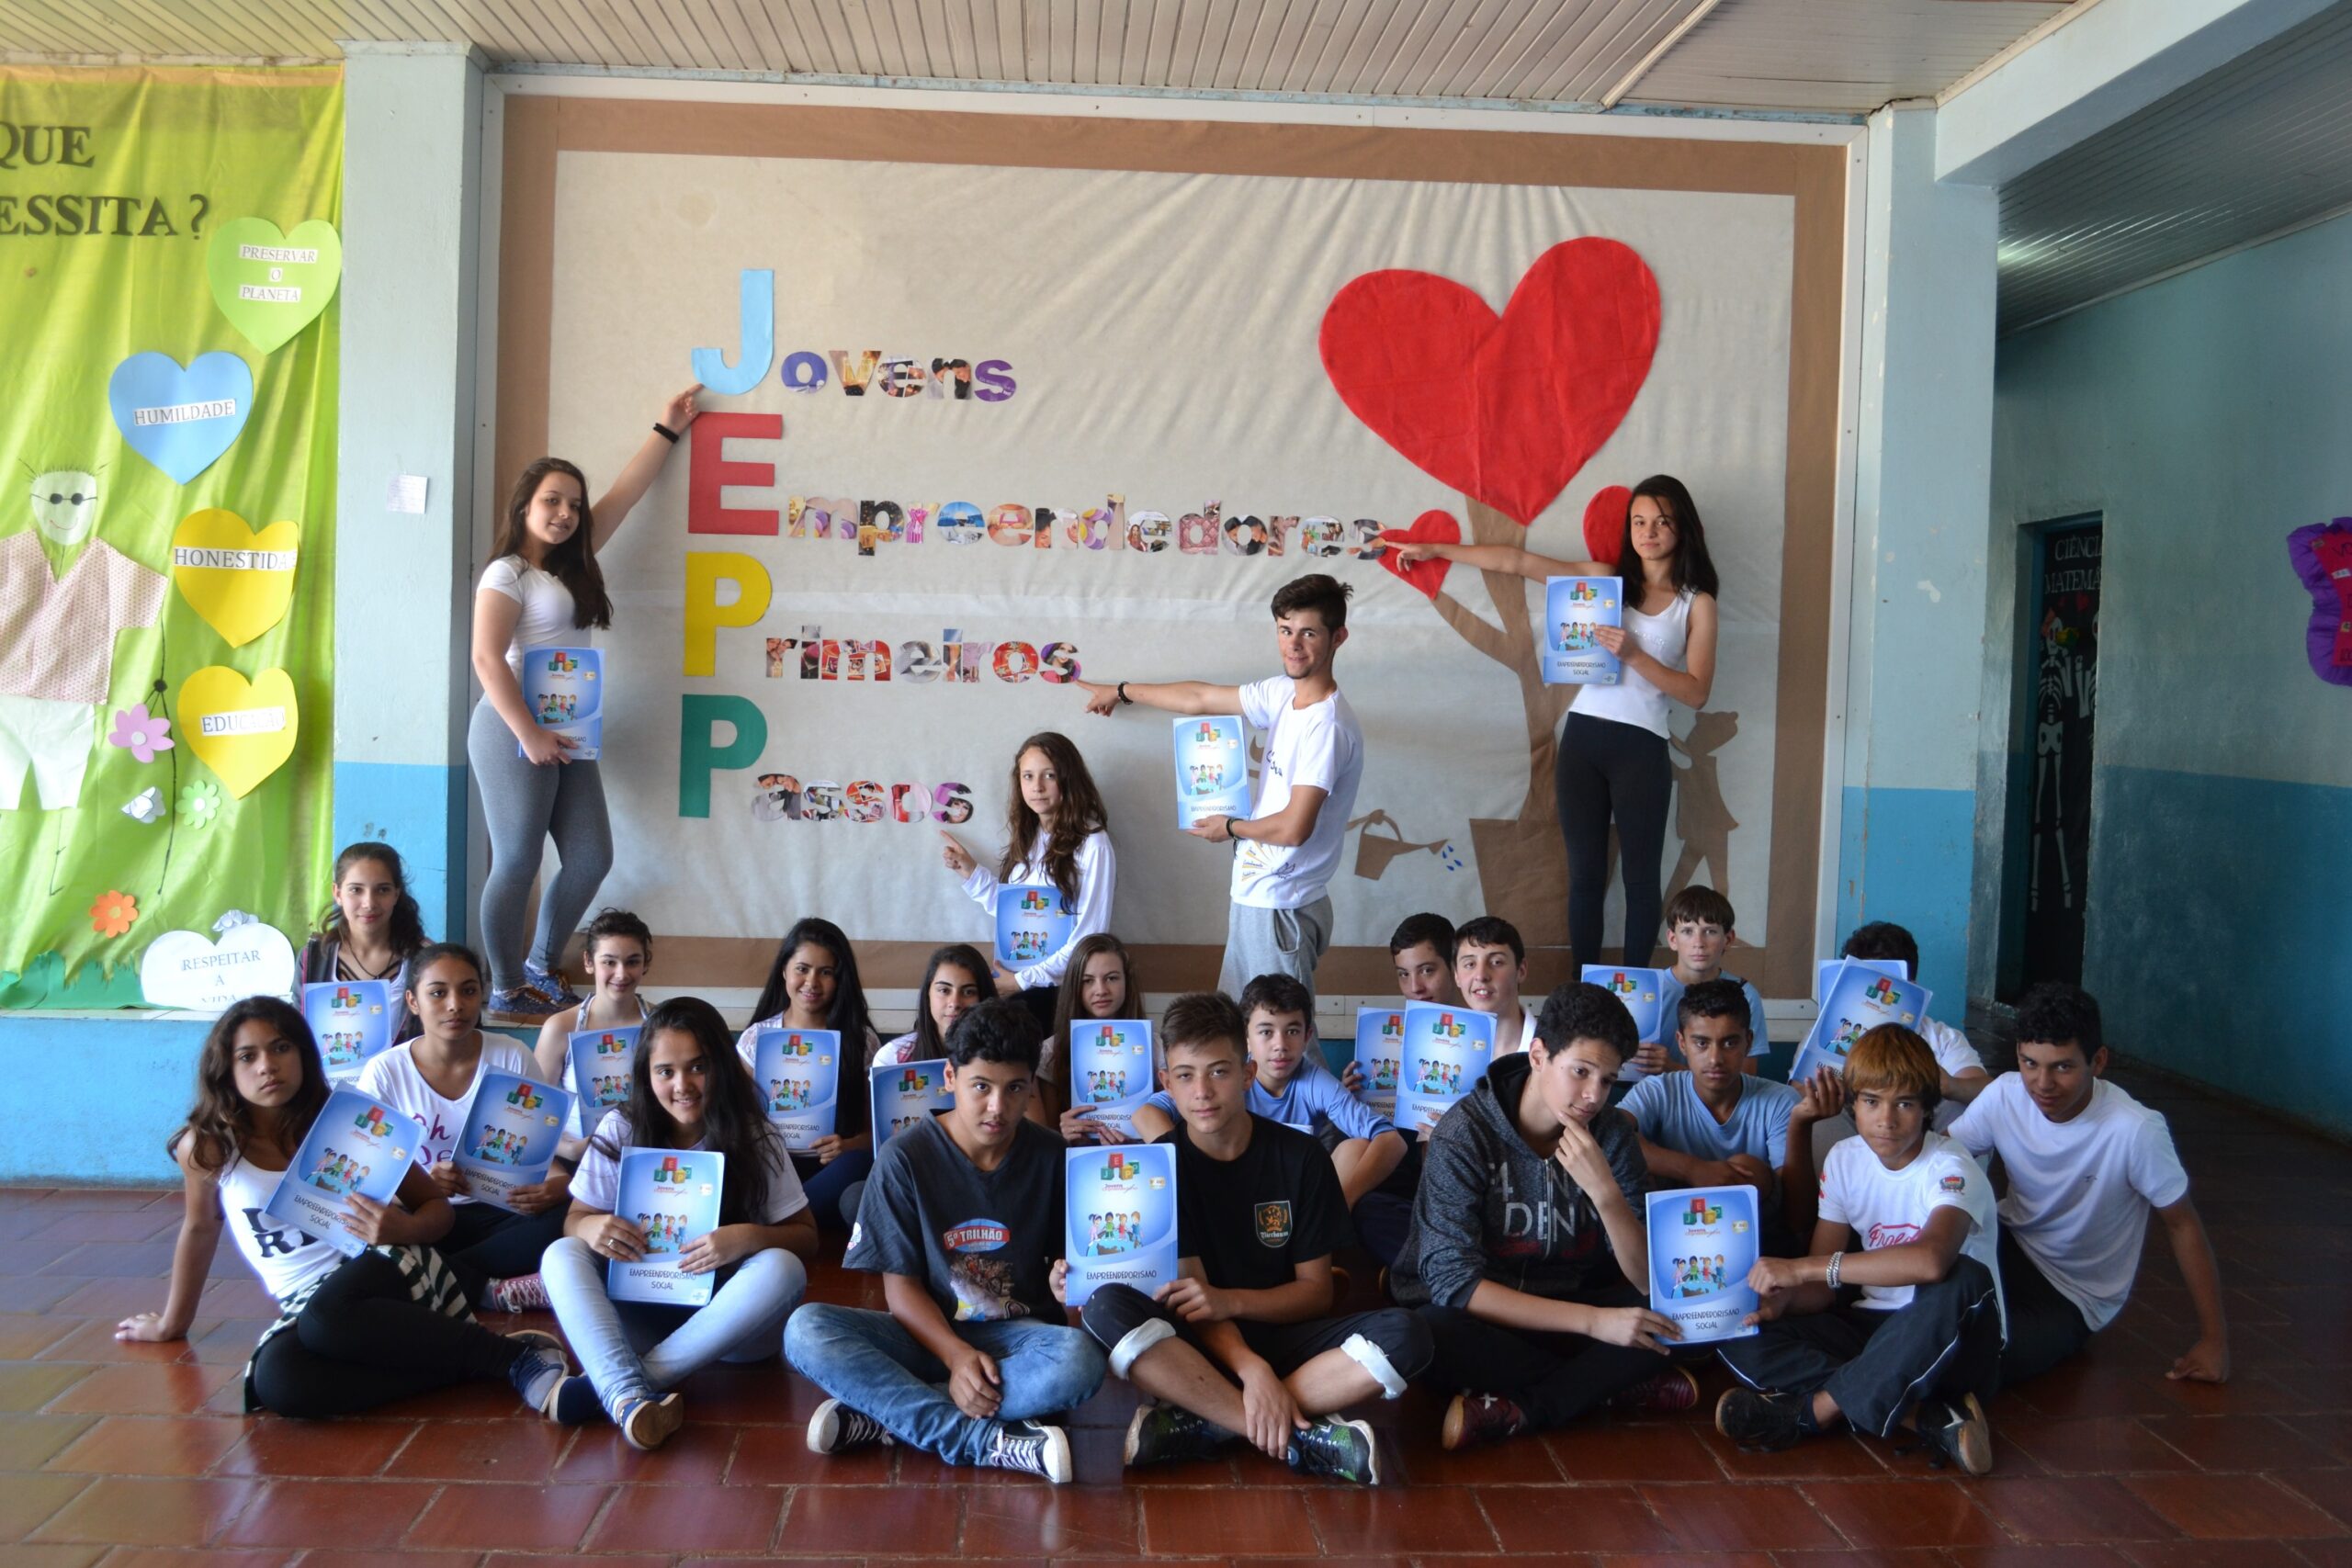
<point x="1604" y="522"/>
<point x="1427" y="576"/>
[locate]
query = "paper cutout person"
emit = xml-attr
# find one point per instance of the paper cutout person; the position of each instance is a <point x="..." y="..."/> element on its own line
<point x="57" y="639"/>
<point x="1700" y="814"/>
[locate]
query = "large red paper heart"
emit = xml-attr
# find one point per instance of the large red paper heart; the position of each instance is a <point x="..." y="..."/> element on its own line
<point x="1604" y="522"/>
<point x="1429" y="575"/>
<point x="1505" y="408"/>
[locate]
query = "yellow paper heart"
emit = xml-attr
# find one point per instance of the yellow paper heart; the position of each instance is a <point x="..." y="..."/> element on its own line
<point x="244" y="733"/>
<point x="238" y="578"/>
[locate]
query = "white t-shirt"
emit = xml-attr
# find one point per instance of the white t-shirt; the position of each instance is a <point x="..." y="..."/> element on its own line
<point x="1526" y="1040"/>
<point x="1955" y="1054"/>
<point x="1889" y="1208"/>
<point x="1098" y="875"/>
<point x="547" y="609"/>
<point x="285" y="1260"/>
<point x="896" y="1053"/>
<point x="597" y="1182"/>
<point x="2079" y="1191"/>
<point x="391" y="1077"/>
<point x="1319" y="746"/>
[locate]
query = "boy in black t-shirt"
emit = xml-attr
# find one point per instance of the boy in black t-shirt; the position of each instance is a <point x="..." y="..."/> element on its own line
<point x="963" y="1220"/>
<point x="1240" y="1345"/>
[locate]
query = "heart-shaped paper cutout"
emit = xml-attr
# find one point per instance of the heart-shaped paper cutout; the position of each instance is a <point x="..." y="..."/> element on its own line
<point x="244" y="733"/>
<point x="187" y="969"/>
<point x="1505" y="408"/>
<point x="240" y="579"/>
<point x="1426" y="576"/>
<point x="1604" y="524"/>
<point x="271" y="285"/>
<point x="181" y="420"/>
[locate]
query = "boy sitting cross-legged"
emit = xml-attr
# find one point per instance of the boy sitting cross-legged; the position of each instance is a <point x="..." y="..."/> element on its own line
<point x="1528" y="1238"/>
<point x="1241" y="1345"/>
<point x="963" y="1220"/>
<point x="1906" y="1216"/>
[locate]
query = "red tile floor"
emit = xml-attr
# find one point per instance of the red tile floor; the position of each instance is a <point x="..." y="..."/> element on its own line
<point x="136" y="1454"/>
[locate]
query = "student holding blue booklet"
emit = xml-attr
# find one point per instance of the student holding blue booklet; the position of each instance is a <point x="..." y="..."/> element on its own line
<point x="813" y="985"/>
<point x="368" y="932"/>
<point x="687" y="1092"/>
<point x="511" y="1136"/>
<point x="1703" y="1243"/>
<point x="351" y="1332"/>
<point x="963" y="1220"/>
<point x="587" y="1048"/>
<point x="1242" y="1344"/>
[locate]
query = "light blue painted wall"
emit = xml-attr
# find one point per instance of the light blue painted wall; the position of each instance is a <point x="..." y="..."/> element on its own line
<point x="2204" y="417"/>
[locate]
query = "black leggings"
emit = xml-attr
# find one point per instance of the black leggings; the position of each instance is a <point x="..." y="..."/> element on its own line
<point x="486" y="1242"/>
<point x="362" y="1340"/>
<point x="1607" y="769"/>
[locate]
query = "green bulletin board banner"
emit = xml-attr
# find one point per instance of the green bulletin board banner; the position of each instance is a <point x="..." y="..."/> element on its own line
<point x="168" y="263"/>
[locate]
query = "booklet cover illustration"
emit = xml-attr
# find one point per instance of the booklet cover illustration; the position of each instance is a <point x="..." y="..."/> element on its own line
<point x="1212" y="768"/>
<point x="564" y="689"/>
<point x="1121" y="1213"/>
<point x="351" y="1020"/>
<point x="1033" y="921"/>
<point x="1855" y="1001"/>
<point x="510" y="1138"/>
<point x="906" y="1093"/>
<point x="672" y="1196"/>
<point x="1573" y="608"/>
<point x="1380" y="1054"/>
<point x="1640" y="990"/>
<point x="799" y="1072"/>
<point x="1111" y="1069"/>
<point x="358" y="1144"/>
<point x="1446" y="1050"/>
<point x="597" y="1062"/>
<point x="1702" y="1243"/>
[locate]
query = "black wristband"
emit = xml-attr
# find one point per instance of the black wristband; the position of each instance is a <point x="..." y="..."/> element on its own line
<point x="1124" y="700"/>
<point x="665" y="433"/>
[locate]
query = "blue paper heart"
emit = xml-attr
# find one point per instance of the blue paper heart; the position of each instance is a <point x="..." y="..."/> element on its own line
<point x="181" y="420"/>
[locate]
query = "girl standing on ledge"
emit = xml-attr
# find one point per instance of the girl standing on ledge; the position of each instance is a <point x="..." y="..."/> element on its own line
<point x="543" y="589"/>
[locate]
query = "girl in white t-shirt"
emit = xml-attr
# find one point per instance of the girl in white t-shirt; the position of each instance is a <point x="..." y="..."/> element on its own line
<point x="814" y="983"/>
<point x="1055" y="831"/>
<point x="619" y="952"/>
<point x="1099" y="983"/>
<point x="1613" y="763"/>
<point x="687" y="1090"/>
<point x="956" y="981"/>
<point x="351" y="1332"/>
<point x="432" y="1079"/>
<point x="541" y="588"/>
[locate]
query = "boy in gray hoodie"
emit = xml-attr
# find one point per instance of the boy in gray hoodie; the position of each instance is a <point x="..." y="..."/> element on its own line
<point x="1528" y="1241"/>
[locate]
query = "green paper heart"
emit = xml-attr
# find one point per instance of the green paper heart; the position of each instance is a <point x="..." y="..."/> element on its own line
<point x="272" y="284"/>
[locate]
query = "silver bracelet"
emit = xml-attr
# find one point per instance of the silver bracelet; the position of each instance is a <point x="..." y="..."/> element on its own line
<point x="1830" y="1278"/>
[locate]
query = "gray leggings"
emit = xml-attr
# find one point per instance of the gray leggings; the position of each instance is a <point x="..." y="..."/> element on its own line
<point x="525" y="804"/>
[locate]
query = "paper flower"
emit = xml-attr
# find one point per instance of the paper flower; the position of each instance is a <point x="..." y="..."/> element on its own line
<point x="141" y="733"/>
<point x="147" y="806"/>
<point x="113" y="912"/>
<point x="200" y="803"/>
<point x="232" y="921"/>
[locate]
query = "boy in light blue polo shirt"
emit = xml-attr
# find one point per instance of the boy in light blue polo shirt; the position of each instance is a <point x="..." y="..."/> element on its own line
<point x="1698" y="933"/>
<point x="1720" y="1126"/>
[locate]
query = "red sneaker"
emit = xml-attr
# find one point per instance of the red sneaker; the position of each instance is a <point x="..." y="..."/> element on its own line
<point x="1671" y="1390"/>
<point x="1476" y="1419"/>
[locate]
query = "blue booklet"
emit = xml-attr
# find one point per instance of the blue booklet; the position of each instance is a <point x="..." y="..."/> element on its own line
<point x="352" y="1020"/>
<point x="597" y="1062"/>
<point x="1033" y="921"/>
<point x="1380" y="1052"/>
<point x="1446" y="1052"/>
<point x="672" y="1196"/>
<point x="1120" y="1203"/>
<point x="1640" y="990"/>
<point x="1855" y="1001"/>
<point x="564" y="689"/>
<point x="358" y="1144"/>
<point x="906" y="1093"/>
<point x="1826" y="970"/>
<point x="1111" y="1069"/>
<point x="1572" y="606"/>
<point x="510" y="1138"/>
<point x="800" y="1075"/>
<point x="1212" y="768"/>
<point x="1702" y="1243"/>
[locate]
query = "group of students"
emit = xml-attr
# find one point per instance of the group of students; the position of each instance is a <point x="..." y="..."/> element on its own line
<point x="1893" y="1293"/>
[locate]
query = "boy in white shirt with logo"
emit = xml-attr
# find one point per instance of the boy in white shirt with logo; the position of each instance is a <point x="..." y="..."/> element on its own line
<point x="1921" y="1347"/>
<point x="1291" y="842"/>
<point x="2086" y="1163"/>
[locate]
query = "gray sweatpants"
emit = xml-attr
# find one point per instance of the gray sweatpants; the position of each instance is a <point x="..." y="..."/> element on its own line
<point x="525" y="804"/>
<point x="1274" y="941"/>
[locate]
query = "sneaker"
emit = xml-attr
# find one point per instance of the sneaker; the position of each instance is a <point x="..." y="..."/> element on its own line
<point x="1031" y="1447"/>
<point x="1955" y="1434"/>
<point x="540" y="1369"/>
<point x="1759" y="1423"/>
<point x="573" y="1403"/>
<point x="1337" y="1447"/>
<point x="521" y="1292"/>
<point x="524" y="1004"/>
<point x="838" y="1430"/>
<point x="645" y="1423"/>
<point x="1161" y="1434"/>
<point x="551" y="984"/>
<point x="1476" y="1419"/>
<point x="1671" y="1390"/>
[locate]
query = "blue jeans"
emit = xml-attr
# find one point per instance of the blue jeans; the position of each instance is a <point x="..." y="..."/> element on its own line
<point x="869" y="1361"/>
<point x="827" y="1185"/>
<point x="637" y="1350"/>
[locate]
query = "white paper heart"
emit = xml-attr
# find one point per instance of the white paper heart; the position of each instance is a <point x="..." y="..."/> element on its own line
<point x="187" y="969"/>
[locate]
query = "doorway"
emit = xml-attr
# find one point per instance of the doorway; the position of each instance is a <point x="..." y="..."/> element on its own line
<point x="2051" y="791"/>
